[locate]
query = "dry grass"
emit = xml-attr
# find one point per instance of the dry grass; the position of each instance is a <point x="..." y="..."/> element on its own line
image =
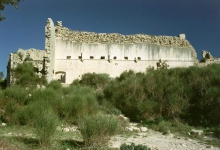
<point x="6" y="145"/>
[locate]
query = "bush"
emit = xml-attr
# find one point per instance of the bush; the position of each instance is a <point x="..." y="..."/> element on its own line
<point x="133" y="147"/>
<point x="93" y="80"/>
<point x="125" y="93"/>
<point x="55" y="85"/>
<point x="46" y="125"/>
<point x="189" y="94"/>
<point x="98" y="129"/>
<point x="79" y="102"/>
<point x="17" y="93"/>
<point x="49" y="96"/>
<point x="25" y="75"/>
<point x="39" y="101"/>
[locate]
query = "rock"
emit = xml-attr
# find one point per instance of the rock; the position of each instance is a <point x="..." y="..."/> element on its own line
<point x="68" y="128"/>
<point x="135" y="128"/>
<point x="73" y="128"/>
<point x="189" y="140"/>
<point x="143" y="129"/>
<point x="196" y="132"/>
<point x="4" y="124"/>
<point x="128" y="129"/>
<point x="65" y="129"/>
<point x="38" y="86"/>
<point x="123" y="118"/>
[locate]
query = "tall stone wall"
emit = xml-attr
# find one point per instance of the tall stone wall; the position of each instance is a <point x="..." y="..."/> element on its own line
<point x="74" y="59"/>
<point x="49" y="60"/>
<point x="76" y="53"/>
<point x="31" y="55"/>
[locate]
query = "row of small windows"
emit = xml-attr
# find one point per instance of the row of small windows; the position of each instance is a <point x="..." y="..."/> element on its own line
<point x="102" y="57"/>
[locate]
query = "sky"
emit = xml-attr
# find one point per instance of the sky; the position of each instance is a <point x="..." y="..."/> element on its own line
<point x="25" y="27"/>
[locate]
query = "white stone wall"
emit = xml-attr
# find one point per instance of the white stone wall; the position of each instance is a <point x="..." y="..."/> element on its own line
<point x="67" y="58"/>
<point x="72" y="53"/>
<point x="50" y="49"/>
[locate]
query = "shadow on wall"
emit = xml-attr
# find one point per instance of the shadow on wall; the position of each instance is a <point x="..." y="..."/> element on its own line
<point x="60" y="76"/>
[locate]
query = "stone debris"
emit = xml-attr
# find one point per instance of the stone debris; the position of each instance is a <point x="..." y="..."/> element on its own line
<point x="196" y="132"/>
<point x="143" y="129"/>
<point x="4" y="124"/>
<point x="134" y="127"/>
<point x="68" y="128"/>
<point x="157" y="141"/>
<point x="92" y="37"/>
<point x="123" y="118"/>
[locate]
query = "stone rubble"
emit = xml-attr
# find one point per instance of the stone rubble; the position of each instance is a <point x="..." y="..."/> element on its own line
<point x="92" y="37"/>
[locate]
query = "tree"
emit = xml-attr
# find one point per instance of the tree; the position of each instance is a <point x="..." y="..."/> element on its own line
<point x="1" y="75"/>
<point x="25" y="75"/>
<point x="7" y="2"/>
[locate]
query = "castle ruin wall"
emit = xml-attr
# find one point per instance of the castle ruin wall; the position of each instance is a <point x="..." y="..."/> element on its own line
<point x="75" y="53"/>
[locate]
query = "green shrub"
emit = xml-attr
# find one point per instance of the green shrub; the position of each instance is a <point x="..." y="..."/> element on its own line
<point x="133" y="147"/>
<point x="125" y="93"/>
<point x="10" y="110"/>
<point x="81" y="101"/>
<point x="3" y="84"/>
<point x="27" y="115"/>
<point x="216" y="131"/>
<point x="98" y="129"/>
<point x="25" y="75"/>
<point x="189" y="94"/>
<point x="49" y="96"/>
<point x="46" y="125"/>
<point x="94" y="80"/>
<point x="55" y="85"/>
<point x="39" y="101"/>
<point x="17" y="93"/>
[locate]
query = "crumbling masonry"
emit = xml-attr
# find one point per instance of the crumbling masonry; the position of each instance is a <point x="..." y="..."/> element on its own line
<point x="69" y="54"/>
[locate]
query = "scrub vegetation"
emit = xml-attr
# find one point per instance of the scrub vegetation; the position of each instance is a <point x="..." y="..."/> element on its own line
<point x="161" y="99"/>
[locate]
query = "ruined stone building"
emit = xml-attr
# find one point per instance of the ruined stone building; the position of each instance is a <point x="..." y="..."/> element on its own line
<point x="68" y="54"/>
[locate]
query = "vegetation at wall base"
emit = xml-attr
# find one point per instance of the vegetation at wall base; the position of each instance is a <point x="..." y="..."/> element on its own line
<point x="166" y="100"/>
<point x="25" y="75"/>
<point x="189" y="94"/>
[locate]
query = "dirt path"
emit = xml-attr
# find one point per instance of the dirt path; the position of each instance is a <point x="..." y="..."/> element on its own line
<point x="157" y="141"/>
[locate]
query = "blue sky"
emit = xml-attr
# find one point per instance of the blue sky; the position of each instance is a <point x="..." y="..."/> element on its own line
<point x="198" y="19"/>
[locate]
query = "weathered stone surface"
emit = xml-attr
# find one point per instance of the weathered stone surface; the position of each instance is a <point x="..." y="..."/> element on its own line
<point x="68" y="128"/>
<point x="143" y="129"/>
<point x="4" y="124"/>
<point x="92" y="37"/>
<point x="208" y="59"/>
<point x="69" y="54"/>
<point x="197" y="132"/>
<point x="32" y="55"/>
<point x="207" y="55"/>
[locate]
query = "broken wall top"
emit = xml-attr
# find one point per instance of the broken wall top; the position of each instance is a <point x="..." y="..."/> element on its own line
<point x="92" y="37"/>
<point x="34" y="54"/>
